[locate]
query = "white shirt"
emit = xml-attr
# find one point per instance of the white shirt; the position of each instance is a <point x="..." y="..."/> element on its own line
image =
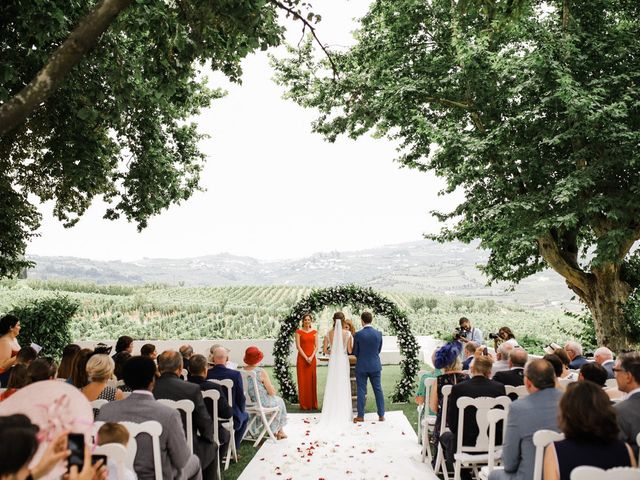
<point x="632" y="392"/>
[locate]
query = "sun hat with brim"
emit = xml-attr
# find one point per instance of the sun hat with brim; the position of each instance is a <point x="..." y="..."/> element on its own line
<point x="253" y="356"/>
<point x="54" y="406"/>
<point x="447" y="354"/>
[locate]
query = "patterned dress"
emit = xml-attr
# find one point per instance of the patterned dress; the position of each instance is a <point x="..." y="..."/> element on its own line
<point x="445" y="379"/>
<point x="108" y="394"/>
<point x="267" y="401"/>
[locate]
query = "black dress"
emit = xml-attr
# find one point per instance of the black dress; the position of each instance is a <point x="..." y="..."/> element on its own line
<point x="443" y="380"/>
<point x="572" y="454"/>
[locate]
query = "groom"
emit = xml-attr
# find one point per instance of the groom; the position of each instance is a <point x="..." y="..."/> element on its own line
<point x="367" y="344"/>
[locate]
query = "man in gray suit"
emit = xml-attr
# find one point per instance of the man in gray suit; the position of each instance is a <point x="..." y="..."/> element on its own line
<point x="627" y="371"/>
<point x="537" y="411"/>
<point x="177" y="461"/>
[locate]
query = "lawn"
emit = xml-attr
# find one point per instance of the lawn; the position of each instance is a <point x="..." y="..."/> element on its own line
<point x="390" y="375"/>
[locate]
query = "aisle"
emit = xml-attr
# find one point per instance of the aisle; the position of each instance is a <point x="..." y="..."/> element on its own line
<point x="370" y="450"/>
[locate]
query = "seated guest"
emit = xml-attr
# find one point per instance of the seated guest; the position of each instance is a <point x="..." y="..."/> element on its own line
<point x="574" y="351"/>
<point x="228" y="363"/>
<point x="446" y="358"/>
<point x="79" y="376"/>
<point x="24" y="357"/>
<point x="17" y="379"/>
<point x="561" y="353"/>
<point x="170" y="386"/>
<point x="66" y="363"/>
<point x="555" y="362"/>
<point x="197" y="375"/>
<point x="220" y="372"/>
<point x="115" y="433"/>
<point x="186" y="351"/>
<point x="422" y="390"/>
<point x="119" y="360"/>
<point x="536" y="411"/>
<point x="124" y="344"/>
<point x="604" y="357"/>
<point x="41" y="369"/>
<point x="468" y="353"/>
<point x="590" y="428"/>
<point x="502" y="355"/>
<point x="515" y="375"/>
<point x="149" y="350"/>
<point x="99" y="372"/>
<point x="478" y="386"/>
<point x="593" y="372"/>
<point x="140" y="406"/>
<point x="268" y="398"/>
<point x="627" y="370"/>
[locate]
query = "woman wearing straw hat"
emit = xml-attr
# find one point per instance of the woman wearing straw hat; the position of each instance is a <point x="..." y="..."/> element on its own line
<point x="252" y="357"/>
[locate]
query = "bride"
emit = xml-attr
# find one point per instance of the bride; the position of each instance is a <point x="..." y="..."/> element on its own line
<point x="336" y="404"/>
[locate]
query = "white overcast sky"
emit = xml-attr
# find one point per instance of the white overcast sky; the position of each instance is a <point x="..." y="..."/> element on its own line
<point x="273" y="189"/>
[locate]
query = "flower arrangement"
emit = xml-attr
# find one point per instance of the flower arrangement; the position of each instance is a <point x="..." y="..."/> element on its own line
<point x="359" y="298"/>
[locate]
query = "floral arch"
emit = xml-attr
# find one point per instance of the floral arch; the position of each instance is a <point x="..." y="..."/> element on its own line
<point x="358" y="298"/>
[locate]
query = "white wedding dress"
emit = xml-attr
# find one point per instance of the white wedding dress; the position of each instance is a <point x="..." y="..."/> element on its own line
<point x="336" y="404"/>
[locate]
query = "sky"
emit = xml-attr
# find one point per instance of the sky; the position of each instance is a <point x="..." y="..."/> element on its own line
<point x="273" y="189"/>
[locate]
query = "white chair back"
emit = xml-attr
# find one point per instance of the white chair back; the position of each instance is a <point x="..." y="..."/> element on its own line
<point x="214" y="395"/>
<point x="440" y="463"/>
<point x="638" y="444"/>
<point x="483" y="405"/>
<point x="541" y="439"/>
<point x="611" y="383"/>
<point x="520" y="391"/>
<point x="594" y="473"/>
<point x="98" y="404"/>
<point x="426" y="422"/>
<point x="154" y="430"/>
<point x="564" y="382"/>
<point x="228" y="384"/>
<point x="494" y="416"/>
<point x="187" y="407"/>
<point x="115" y="453"/>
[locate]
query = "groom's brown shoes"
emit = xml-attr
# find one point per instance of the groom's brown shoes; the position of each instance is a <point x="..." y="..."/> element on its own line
<point x="381" y="419"/>
<point x="358" y="419"/>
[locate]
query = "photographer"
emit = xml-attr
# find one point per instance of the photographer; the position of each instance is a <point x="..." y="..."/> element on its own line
<point x="466" y="333"/>
<point x="504" y="335"/>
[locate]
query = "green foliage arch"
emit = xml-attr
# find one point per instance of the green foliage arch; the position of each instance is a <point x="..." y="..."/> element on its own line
<point x="358" y="298"/>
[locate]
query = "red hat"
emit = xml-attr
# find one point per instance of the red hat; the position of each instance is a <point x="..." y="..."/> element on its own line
<point x="253" y="356"/>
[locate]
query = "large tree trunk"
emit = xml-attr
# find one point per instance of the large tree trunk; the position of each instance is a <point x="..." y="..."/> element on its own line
<point x="602" y="289"/>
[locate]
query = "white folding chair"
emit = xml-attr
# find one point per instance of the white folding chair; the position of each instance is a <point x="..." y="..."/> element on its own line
<point x="98" y="404"/>
<point x="520" y="391"/>
<point x="440" y="463"/>
<point x="187" y="407"/>
<point x="638" y="443"/>
<point x="115" y="453"/>
<point x="611" y="383"/>
<point x="214" y="396"/>
<point x="474" y="455"/>
<point x="426" y="422"/>
<point x="493" y="417"/>
<point x="541" y="439"/>
<point x="420" y="409"/>
<point x="594" y="473"/>
<point x="255" y="409"/>
<point x="228" y="425"/>
<point x="125" y="394"/>
<point x="154" y="430"/>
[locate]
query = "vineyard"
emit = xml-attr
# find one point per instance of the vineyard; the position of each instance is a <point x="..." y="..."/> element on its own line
<point x="167" y="312"/>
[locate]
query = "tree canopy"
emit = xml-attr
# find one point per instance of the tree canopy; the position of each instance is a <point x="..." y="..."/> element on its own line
<point x="535" y="116"/>
<point x="106" y="90"/>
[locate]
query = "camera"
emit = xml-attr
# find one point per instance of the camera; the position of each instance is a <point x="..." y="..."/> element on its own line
<point x="494" y="336"/>
<point x="460" y="332"/>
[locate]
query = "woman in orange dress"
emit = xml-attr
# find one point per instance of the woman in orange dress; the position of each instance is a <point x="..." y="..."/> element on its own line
<point x="307" y="345"/>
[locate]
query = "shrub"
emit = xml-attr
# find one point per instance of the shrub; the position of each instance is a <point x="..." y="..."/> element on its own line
<point x="46" y="323"/>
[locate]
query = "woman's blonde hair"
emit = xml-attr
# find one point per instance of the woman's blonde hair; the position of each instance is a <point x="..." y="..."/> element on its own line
<point x="100" y="367"/>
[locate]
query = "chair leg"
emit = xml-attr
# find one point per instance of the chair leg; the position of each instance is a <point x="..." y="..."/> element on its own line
<point x="231" y="450"/>
<point x="439" y="462"/>
<point x="457" y="470"/>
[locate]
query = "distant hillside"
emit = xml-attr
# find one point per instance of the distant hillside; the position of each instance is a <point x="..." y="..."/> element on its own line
<point x="424" y="267"/>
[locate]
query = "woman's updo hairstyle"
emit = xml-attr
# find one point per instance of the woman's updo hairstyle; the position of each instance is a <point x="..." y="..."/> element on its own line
<point x="7" y="322"/>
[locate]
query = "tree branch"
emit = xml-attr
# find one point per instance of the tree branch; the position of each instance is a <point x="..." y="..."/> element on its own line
<point x="68" y="55"/>
<point x="306" y="23"/>
<point x="550" y="251"/>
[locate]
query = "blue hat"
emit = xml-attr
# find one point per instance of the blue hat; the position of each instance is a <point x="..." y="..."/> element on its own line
<point x="447" y="354"/>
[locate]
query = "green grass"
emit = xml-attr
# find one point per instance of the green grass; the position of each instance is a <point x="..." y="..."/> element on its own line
<point x="390" y="375"/>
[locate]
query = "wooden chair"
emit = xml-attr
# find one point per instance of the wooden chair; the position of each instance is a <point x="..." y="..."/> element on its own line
<point x="594" y="473"/>
<point x="426" y="422"/>
<point x="117" y="454"/>
<point x="187" y="407"/>
<point x="255" y="409"/>
<point x="474" y="455"/>
<point x="541" y="439"/>
<point x="214" y="396"/>
<point x="520" y="391"/>
<point x="228" y="425"/>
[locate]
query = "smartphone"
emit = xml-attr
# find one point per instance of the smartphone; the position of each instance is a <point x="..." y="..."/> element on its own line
<point x="75" y="443"/>
<point x="96" y="458"/>
<point x="485" y="351"/>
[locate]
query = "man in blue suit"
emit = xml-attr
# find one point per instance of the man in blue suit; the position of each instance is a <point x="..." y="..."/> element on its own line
<point x="220" y="372"/>
<point x="367" y="344"/>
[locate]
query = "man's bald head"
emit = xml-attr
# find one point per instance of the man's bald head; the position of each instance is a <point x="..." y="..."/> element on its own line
<point x="219" y="355"/>
<point x="518" y="357"/>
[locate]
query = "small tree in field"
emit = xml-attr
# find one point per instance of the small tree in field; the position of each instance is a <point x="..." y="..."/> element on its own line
<point x="535" y="117"/>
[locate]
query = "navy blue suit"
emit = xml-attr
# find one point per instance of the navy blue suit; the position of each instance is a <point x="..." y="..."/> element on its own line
<point x="240" y="416"/>
<point x="367" y="344"/>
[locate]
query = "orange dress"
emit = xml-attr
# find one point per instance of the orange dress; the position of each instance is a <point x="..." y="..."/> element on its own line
<point x="307" y="380"/>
